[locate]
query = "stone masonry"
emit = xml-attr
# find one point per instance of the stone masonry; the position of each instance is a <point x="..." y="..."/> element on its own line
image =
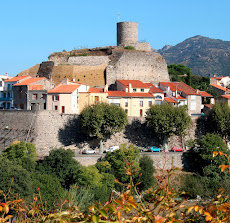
<point x="49" y="130"/>
<point x="88" y="60"/>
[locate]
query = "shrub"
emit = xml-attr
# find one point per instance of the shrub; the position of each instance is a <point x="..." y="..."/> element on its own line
<point x="129" y="48"/>
<point x="147" y="170"/>
<point x="60" y="162"/>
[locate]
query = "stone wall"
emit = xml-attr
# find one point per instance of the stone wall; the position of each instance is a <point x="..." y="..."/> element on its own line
<point x="137" y="65"/>
<point x="88" y="60"/>
<point x="49" y="130"/>
<point x="160" y="160"/>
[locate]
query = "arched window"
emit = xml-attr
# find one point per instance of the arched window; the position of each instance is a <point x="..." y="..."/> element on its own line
<point x="158" y="97"/>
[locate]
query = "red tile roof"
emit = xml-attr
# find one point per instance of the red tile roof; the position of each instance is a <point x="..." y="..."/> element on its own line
<point x="180" y="97"/>
<point x="204" y="94"/>
<point x="208" y="105"/>
<point x="35" y="87"/>
<point x="135" y="83"/>
<point x="63" y="89"/>
<point x="226" y="96"/>
<point x="96" y="90"/>
<point x="220" y="87"/>
<point x="130" y="95"/>
<point x="216" y="78"/>
<point x="154" y="89"/>
<point x="29" y="81"/>
<point x="170" y="100"/>
<point x="15" y="79"/>
<point x="180" y="86"/>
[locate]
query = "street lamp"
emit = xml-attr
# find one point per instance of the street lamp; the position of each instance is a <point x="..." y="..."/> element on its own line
<point x="6" y="128"/>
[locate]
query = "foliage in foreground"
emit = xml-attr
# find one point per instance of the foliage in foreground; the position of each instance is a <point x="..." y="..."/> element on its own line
<point x="128" y="206"/>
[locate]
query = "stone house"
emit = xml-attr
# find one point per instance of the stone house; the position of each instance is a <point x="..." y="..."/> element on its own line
<point x="64" y="98"/>
<point x="183" y="94"/>
<point x="31" y="93"/>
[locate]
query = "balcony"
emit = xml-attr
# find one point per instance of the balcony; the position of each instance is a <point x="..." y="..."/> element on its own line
<point x="6" y="98"/>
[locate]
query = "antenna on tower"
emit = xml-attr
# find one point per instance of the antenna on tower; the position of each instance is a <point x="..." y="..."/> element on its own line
<point x="118" y="16"/>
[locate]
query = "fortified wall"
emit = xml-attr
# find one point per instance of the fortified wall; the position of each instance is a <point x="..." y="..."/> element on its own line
<point x="50" y="130"/>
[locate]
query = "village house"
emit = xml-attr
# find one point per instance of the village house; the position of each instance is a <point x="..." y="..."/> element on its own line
<point x="92" y="96"/>
<point x="219" y="89"/>
<point x="183" y="94"/>
<point x="223" y="81"/>
<point x="64" y="98"/>
<point x="31" y="93"/>
<point x="6" y="91"/>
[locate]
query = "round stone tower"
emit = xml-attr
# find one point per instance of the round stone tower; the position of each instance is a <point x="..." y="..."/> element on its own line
<point x="127" y="33"/>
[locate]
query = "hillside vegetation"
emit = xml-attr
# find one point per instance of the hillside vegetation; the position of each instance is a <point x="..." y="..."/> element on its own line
<point x="205" y="56"/>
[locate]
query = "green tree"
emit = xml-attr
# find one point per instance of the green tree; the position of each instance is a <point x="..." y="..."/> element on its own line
<point x="101" y="120"/>
<point x="60" y="163"/>
<point x="166" y="120"/>
<point x="219" y="120"/>
<point x="147" y="171"/>
<point x="24" y="154"/>
<point x="15" y="178"/>
<point x="118" y="160"/>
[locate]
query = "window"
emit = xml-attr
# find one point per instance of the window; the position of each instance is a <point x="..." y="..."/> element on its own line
<point x="141" y="102"/>
<point x="126" y="103"/>
<point x="158" y="97"/>
<point x="158" y="102"/>
<point x="134" y="89"/>
<point x="8" y="87"/>
<point x="34" y="96"/>
<point x="55" y="97"/>
<point x="55" y="107"/>
<point x="96" y="99"/>
<point x="142" y="90"/>
<point x="63" y="109"/>
<point x="20" y="89"/>
<point x="126" y="111"/>
<point x="0" y="83"/>
<point x="150" y="103"/>
<point x="8" y="94"/>
<point x="43" y="96"/>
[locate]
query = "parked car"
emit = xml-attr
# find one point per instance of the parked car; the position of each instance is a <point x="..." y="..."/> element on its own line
<point x="88" y="151"/>
<point x="154" y="149"/>
<point x="141" y="150"/>
<point x="177" y="149"/>
<point x="112" y="148"/>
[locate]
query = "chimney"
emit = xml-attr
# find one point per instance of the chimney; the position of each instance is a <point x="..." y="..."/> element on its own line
<point x="130" y="90"/>
<point x="106" y="88"/>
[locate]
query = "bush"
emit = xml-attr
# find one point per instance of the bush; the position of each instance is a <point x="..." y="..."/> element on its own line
<point x="60" y="162"/>
<point x="15" y="178"/>
<point x="24" y="154"/>
<point x="48" y="187"/>
<point x="147" y="170"/>
<point x="129" y="48"/>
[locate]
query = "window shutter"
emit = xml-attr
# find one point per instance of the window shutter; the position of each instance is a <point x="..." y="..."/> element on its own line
<point x="58" y="97"/>
<point x="53" y="97"/>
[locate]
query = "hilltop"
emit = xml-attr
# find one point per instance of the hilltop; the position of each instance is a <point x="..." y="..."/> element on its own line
<point x="205" y="56"/>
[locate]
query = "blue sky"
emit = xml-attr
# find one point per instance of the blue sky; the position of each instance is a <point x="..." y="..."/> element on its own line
<point x="30" y="30"/>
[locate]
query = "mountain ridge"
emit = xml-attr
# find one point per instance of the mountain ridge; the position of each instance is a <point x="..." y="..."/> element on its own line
<point x="205" y="56"/>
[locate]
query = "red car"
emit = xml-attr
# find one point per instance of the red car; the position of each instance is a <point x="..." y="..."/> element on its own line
<point x="177" y="149"/>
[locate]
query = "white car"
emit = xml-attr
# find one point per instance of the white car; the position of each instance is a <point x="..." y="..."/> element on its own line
<point x="113" y="148"/>
<point x="88" y="151"/>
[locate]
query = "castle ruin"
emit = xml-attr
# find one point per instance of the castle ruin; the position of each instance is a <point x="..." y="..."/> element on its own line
<point x="104" y="65"/>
